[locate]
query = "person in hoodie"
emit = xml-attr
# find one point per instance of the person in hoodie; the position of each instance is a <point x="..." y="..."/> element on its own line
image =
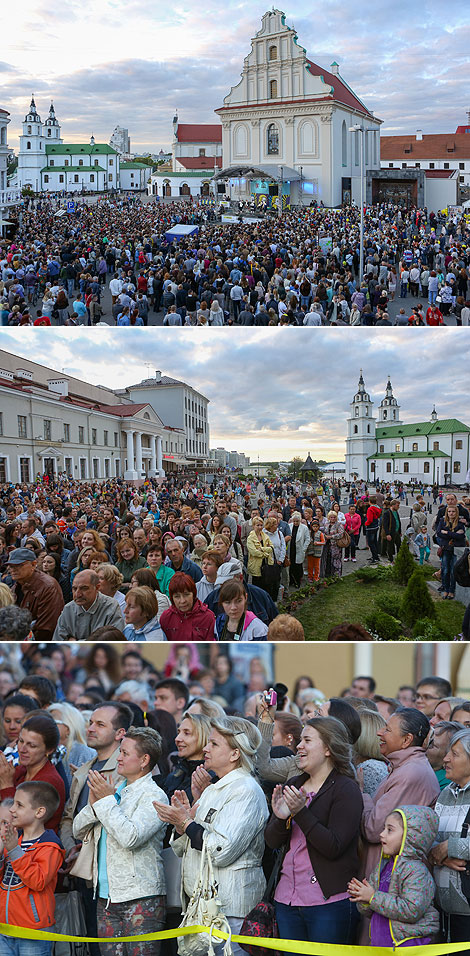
<point x="237" y="623"/>
<point x="30" y="857"/>
<point x="399" y="893"/>
<point x="188" y="619"/>
<point x="372" y="528"/>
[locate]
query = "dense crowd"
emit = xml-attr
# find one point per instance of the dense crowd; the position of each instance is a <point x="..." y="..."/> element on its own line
<point x="184" y="562"/>
<point x="191" y="561"/>
<point x="301" y="269"/>
<point x="118" y="782"/>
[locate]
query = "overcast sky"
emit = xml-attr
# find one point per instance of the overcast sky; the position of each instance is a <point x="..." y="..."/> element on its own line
<point x="131" y="62"/>
<point x="275" y="393"/>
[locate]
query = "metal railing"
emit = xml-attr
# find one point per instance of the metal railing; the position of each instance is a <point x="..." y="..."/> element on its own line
<point x="10" y="197"/>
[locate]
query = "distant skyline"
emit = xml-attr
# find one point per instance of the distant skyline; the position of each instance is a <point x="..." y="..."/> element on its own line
<point x="277" y="393"/>
<point x="133" y="62"/>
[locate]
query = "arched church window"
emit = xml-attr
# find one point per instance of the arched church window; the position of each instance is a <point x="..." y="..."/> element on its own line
<point x="356" y="411"/>
<point x="344" y="145"/>
<point x="355" y="429"/>
<point x="385" y="415"/>
<point x="272" y="89"/>
<point x="273" y="52"/>
<point x="273" y="139"/>
<point x="368" y="429"/>
<point x="367" y="410"/>
<point x="28" y="145"/>
<point x="29" y="130"/>
<point x="48" y="132"/>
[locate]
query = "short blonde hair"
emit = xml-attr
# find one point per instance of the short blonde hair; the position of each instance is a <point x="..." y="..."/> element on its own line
<point x="111" y="575"/>
<point x="284" y="627"/>
<point x="145" y="598"/>
<point x="367" y="745"/>
<point x="240" y="735"/>
<point x="6" y="597"/>
<point x="270" y="523"/>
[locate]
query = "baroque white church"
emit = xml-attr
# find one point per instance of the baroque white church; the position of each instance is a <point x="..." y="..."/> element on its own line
<point x="294" y="118"/>
<point x="47" y="164"/>
<point x="387" y="449"/>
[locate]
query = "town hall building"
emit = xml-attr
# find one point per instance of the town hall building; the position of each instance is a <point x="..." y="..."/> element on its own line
<point x="387" y="449"/>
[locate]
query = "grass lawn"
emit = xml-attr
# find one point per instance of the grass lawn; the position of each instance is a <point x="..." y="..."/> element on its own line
<point x="351" y="600"/>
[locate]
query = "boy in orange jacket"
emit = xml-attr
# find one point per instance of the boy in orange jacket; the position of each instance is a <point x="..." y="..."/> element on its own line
<point x="30" y="857"/>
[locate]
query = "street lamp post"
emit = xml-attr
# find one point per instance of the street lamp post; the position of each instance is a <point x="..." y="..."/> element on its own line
<point x="279" y="197"/>
<point x="357" y="128"/>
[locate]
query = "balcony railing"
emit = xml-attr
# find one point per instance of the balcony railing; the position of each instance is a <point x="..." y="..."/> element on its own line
<point x="10" y="197"/>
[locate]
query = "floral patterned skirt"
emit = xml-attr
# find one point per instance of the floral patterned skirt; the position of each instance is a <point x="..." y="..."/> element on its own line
<point x="133" y="918"/>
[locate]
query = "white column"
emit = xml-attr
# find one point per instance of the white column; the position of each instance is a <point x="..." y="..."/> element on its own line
<point x="153" y="461"/>
<point x="160" y="456"/>
<point x="362" y="658"/>
<point x="138" y="452"/>
<point x="130" y="450"/>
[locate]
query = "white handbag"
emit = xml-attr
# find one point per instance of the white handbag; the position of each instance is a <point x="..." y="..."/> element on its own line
<point x="204" y="909"/>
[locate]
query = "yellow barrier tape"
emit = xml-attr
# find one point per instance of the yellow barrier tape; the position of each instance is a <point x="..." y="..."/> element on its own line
<point x="282" y="945"/>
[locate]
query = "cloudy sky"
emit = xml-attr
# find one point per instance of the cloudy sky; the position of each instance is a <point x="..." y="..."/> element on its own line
<point x="275" y="393"/>
<point x="131" y="62"/>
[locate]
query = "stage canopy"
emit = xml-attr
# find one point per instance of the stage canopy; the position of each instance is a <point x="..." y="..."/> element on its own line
<point x="273" y="171"/>
<point x="180" y="231"/>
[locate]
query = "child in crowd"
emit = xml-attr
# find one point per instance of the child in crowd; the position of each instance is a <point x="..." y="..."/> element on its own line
<point x="30" y="857"/>
<point x="401" y="890"/>
<point x="318" y="543"/>
<point x="423" y="543"/>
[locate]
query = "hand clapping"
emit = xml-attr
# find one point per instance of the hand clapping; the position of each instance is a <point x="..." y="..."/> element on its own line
<point x="99" y="787"/>
<point x="360" y="891"/>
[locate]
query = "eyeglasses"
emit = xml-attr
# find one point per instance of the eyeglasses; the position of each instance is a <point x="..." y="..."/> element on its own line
<point x="426" y="697"/>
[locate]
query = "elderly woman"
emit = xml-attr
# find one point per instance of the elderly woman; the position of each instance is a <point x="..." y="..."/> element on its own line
<point x="298" y="546"/>
<point x="317" y="815"/>
<point x="72" y="730"/>
<point x="260" y="551"/>
<point x="228" y="820"/>
<point x="411" y="779"/>
<point x="187" y="619"/>
<point x="141" y="616"/>
<point x="334" y="554"/>
<point x="109" y="582"/>
<point x="278" y="542"/>
<point x="145" y="577"/>
<point x="127" y="837"/>
<point x="451" y="854"/>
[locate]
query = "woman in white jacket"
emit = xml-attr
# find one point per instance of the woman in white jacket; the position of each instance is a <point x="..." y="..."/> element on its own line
<point x="127" y="839"/>
<point x="228" y="818"/>
<point x="299" y="542"/>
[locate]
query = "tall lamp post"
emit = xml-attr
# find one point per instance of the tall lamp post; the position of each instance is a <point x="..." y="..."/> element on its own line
<point x="279" y="197"/>
<point x="357" y="128"/>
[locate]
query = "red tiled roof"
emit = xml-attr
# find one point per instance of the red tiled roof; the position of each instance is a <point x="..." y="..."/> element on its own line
<point x="199" y="162"/>
<point x="439" y="173"/>
<point x="431" y="146"/>
<point x="461" y="130"/>
<point x="199" y="133"/>
<point x="122" y="411"/>
<point x="342" y="93"/>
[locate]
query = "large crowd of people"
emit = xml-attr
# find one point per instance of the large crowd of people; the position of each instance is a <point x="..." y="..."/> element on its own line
<point x="301" y="269"/>
<point x="122" y="781"/>
<point x="188" y="561"/>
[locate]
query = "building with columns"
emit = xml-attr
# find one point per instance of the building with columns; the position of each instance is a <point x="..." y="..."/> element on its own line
<point x="53" y="423"/>
<point x="9" y="196"/>
<point x="291" y="115"/>
<point x="387" y="449"/>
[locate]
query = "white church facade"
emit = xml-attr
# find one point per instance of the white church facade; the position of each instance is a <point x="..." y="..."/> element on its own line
<point x="294" y="119"/>
<point x="47" y="164"/>
<point x="386" y="449"/>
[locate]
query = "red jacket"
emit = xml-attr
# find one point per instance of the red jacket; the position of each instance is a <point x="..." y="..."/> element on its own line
<point x="47" y="774"/>
<point x="198" y="625"/>
<point x="353" y="523"/>
<point x="31" y="903"/>
<point x="373" y="515"/>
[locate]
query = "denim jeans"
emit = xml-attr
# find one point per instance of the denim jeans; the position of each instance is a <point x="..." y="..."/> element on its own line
<point x="432" y="297"/>
<point x="447" y="571"/>
<point x="24" y="947"/>
<point x="371" y="538"/>
<point x="329" y="923"/>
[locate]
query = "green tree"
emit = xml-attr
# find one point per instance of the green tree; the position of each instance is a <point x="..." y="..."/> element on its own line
<point x="404" y="565"/>
<point x="417" y="601"/>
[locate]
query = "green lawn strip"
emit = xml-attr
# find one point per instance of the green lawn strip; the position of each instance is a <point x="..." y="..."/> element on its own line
<point x="352" y="601"/>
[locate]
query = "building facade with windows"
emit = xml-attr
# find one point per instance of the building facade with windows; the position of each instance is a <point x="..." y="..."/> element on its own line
<point x="287" y="112"/>
<point x="387" y="449"/>
<point x="9" y="196"/>
<point x="47" y="164"/>
<point x="440" y="154"/>
<point x="51" y="423"/>
<point x="196" y="153"/>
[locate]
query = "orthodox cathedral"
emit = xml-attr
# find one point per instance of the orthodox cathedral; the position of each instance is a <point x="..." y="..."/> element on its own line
<point x="47" y="164"/>
<point x="386" y="449"/>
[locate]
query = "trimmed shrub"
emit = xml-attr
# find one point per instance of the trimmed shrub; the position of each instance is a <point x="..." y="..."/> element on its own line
<point x="390" y="603"/>
<point x="404" y="565"/>
<point x="386" y="627"/>
<point x="417" y="602"/>
<point x="427" y="630"/>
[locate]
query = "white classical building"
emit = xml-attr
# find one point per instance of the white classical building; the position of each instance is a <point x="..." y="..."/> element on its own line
<point x="134" y="176"/>
<point x="47" y="164"/>
<point x="292" y="118"/>
<point x="181" y="407"/>
<point x="9" y="196"/>
<point x="436" y="451"/>
<point x="53" y="423"/>
<point x="196" y="153"/>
